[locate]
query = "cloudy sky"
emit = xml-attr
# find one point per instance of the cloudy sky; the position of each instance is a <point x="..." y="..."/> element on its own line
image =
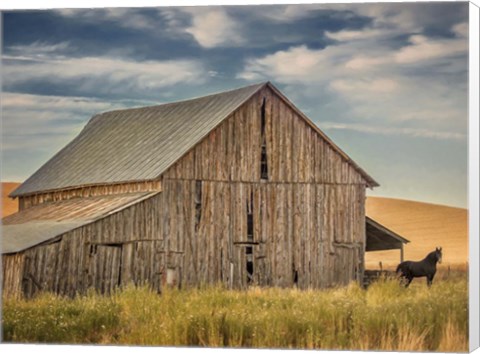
<point x="387" y="82"/>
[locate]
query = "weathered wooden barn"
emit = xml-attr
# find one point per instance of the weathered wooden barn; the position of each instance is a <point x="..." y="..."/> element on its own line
<point x="238" y="187"/>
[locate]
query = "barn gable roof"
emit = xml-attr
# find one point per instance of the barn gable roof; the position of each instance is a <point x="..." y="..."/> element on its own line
<point x="142" y="143"/>
<point x="46" y="221"/>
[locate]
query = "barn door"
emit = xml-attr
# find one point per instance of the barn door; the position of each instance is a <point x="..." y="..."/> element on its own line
<point x="348" y="264"/>
<point x="40" y="269"/>
<point x="142" y="262"/>
<point x="104" y="267"/>
<point x="249" y="266"/>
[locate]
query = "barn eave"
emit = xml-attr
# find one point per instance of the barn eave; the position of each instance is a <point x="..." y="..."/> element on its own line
<point x="380" y="238"/>
<point x="371" y="183"/>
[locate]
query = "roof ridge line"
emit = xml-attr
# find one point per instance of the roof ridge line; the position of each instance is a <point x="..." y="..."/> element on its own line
<point x="260" y="84"/>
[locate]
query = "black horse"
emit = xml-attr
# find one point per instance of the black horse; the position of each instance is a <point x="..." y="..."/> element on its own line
<point x="425" y="268"/>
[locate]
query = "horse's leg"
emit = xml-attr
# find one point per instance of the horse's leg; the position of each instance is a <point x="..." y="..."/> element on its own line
<point x="430" y="279"/>
<point x="409" y="280"/>
<point x="402" y="278"/>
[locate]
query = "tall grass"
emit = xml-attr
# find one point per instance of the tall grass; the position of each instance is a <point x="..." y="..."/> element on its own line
<point x="384" y="317"/>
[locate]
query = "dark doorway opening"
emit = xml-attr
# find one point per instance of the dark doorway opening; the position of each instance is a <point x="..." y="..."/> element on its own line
<point x="198" y="203"/>
<point x="263" y="157"/>
<point x="250" y="239"/>
<point x="249" y="254"/>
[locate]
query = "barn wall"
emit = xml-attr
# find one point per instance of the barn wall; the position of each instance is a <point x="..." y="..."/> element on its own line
<point x="303" y="234"/>
<point x="12" y="270"/>
<point x="311" y="230"/>
<point x="307" y="218"/>
<point x="309" y="221"/>
<point x="295" y="151"/>
<point x="89" y="191"/>
<point x="119" y="249"/>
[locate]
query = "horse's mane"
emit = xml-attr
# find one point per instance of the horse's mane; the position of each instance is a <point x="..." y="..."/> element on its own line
<point x="431" y="256"/>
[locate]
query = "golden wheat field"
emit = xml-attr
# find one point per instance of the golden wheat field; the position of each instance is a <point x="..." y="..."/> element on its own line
<point x="9" y="206"/>
<point x="425" y="225"/>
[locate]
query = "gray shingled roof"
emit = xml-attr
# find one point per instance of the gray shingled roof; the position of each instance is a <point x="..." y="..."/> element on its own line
<point x="43" y="222"/>
<point x="134" y="144"/>
<point x="142" y="143"/>
<point x="16" y="238"/>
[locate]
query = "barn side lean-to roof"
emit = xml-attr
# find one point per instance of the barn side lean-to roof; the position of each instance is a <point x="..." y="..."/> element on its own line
<point x="142" y="143"/>
<point x="44" y="222"/>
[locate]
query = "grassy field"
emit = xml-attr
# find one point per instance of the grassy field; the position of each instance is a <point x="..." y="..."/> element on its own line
<point x="384" y="317"/>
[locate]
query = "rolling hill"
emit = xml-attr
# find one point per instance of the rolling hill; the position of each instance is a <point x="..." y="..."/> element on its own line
<point x="425" y="225"/>
<point x="9" y="206"/>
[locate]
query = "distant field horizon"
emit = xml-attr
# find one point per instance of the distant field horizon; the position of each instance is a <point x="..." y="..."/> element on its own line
<point x="425" y="225"/>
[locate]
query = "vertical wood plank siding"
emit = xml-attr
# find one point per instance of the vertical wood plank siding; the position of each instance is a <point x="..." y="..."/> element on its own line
<point x="12" y="271"/>
<point x="296" y="229"/>
<point x="125" y="247"/>
<point x="307" y="217"/>
<point x="295" y="152"/>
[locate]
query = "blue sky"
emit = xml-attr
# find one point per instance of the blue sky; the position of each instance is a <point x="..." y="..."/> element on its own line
<point x="387" y="82"/>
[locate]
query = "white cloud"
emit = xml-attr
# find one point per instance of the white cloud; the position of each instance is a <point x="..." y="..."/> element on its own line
<point x="371" y="82"/>
<point x="397" y="17"/>
<point x="297" y="64"/>
<point x="352" y="59"/>
<point x="289" y="13"/>
<point x="51" y="120"/>
<point x="461" y="29"/>
<point x="347" y="35"/>
<point x="422" y="48"/>
<point x="425" y="133"/>
<point x="37" y="50"/>
<point x="362" y="62"/>
<point x="212" y="27"/>
<point x="387" y="17"/>
<point x="373" y="86"/>
<point x="97" y="73"/>
<point x="23" y="101"/>
<point x="124" y="17"/>
<point x="129" y="19"/>
<point x="35" y="126"/>
<point x="21" y="109"/>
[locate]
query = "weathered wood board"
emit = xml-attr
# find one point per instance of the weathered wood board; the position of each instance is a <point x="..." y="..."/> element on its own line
<point x="263" y="199"/>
